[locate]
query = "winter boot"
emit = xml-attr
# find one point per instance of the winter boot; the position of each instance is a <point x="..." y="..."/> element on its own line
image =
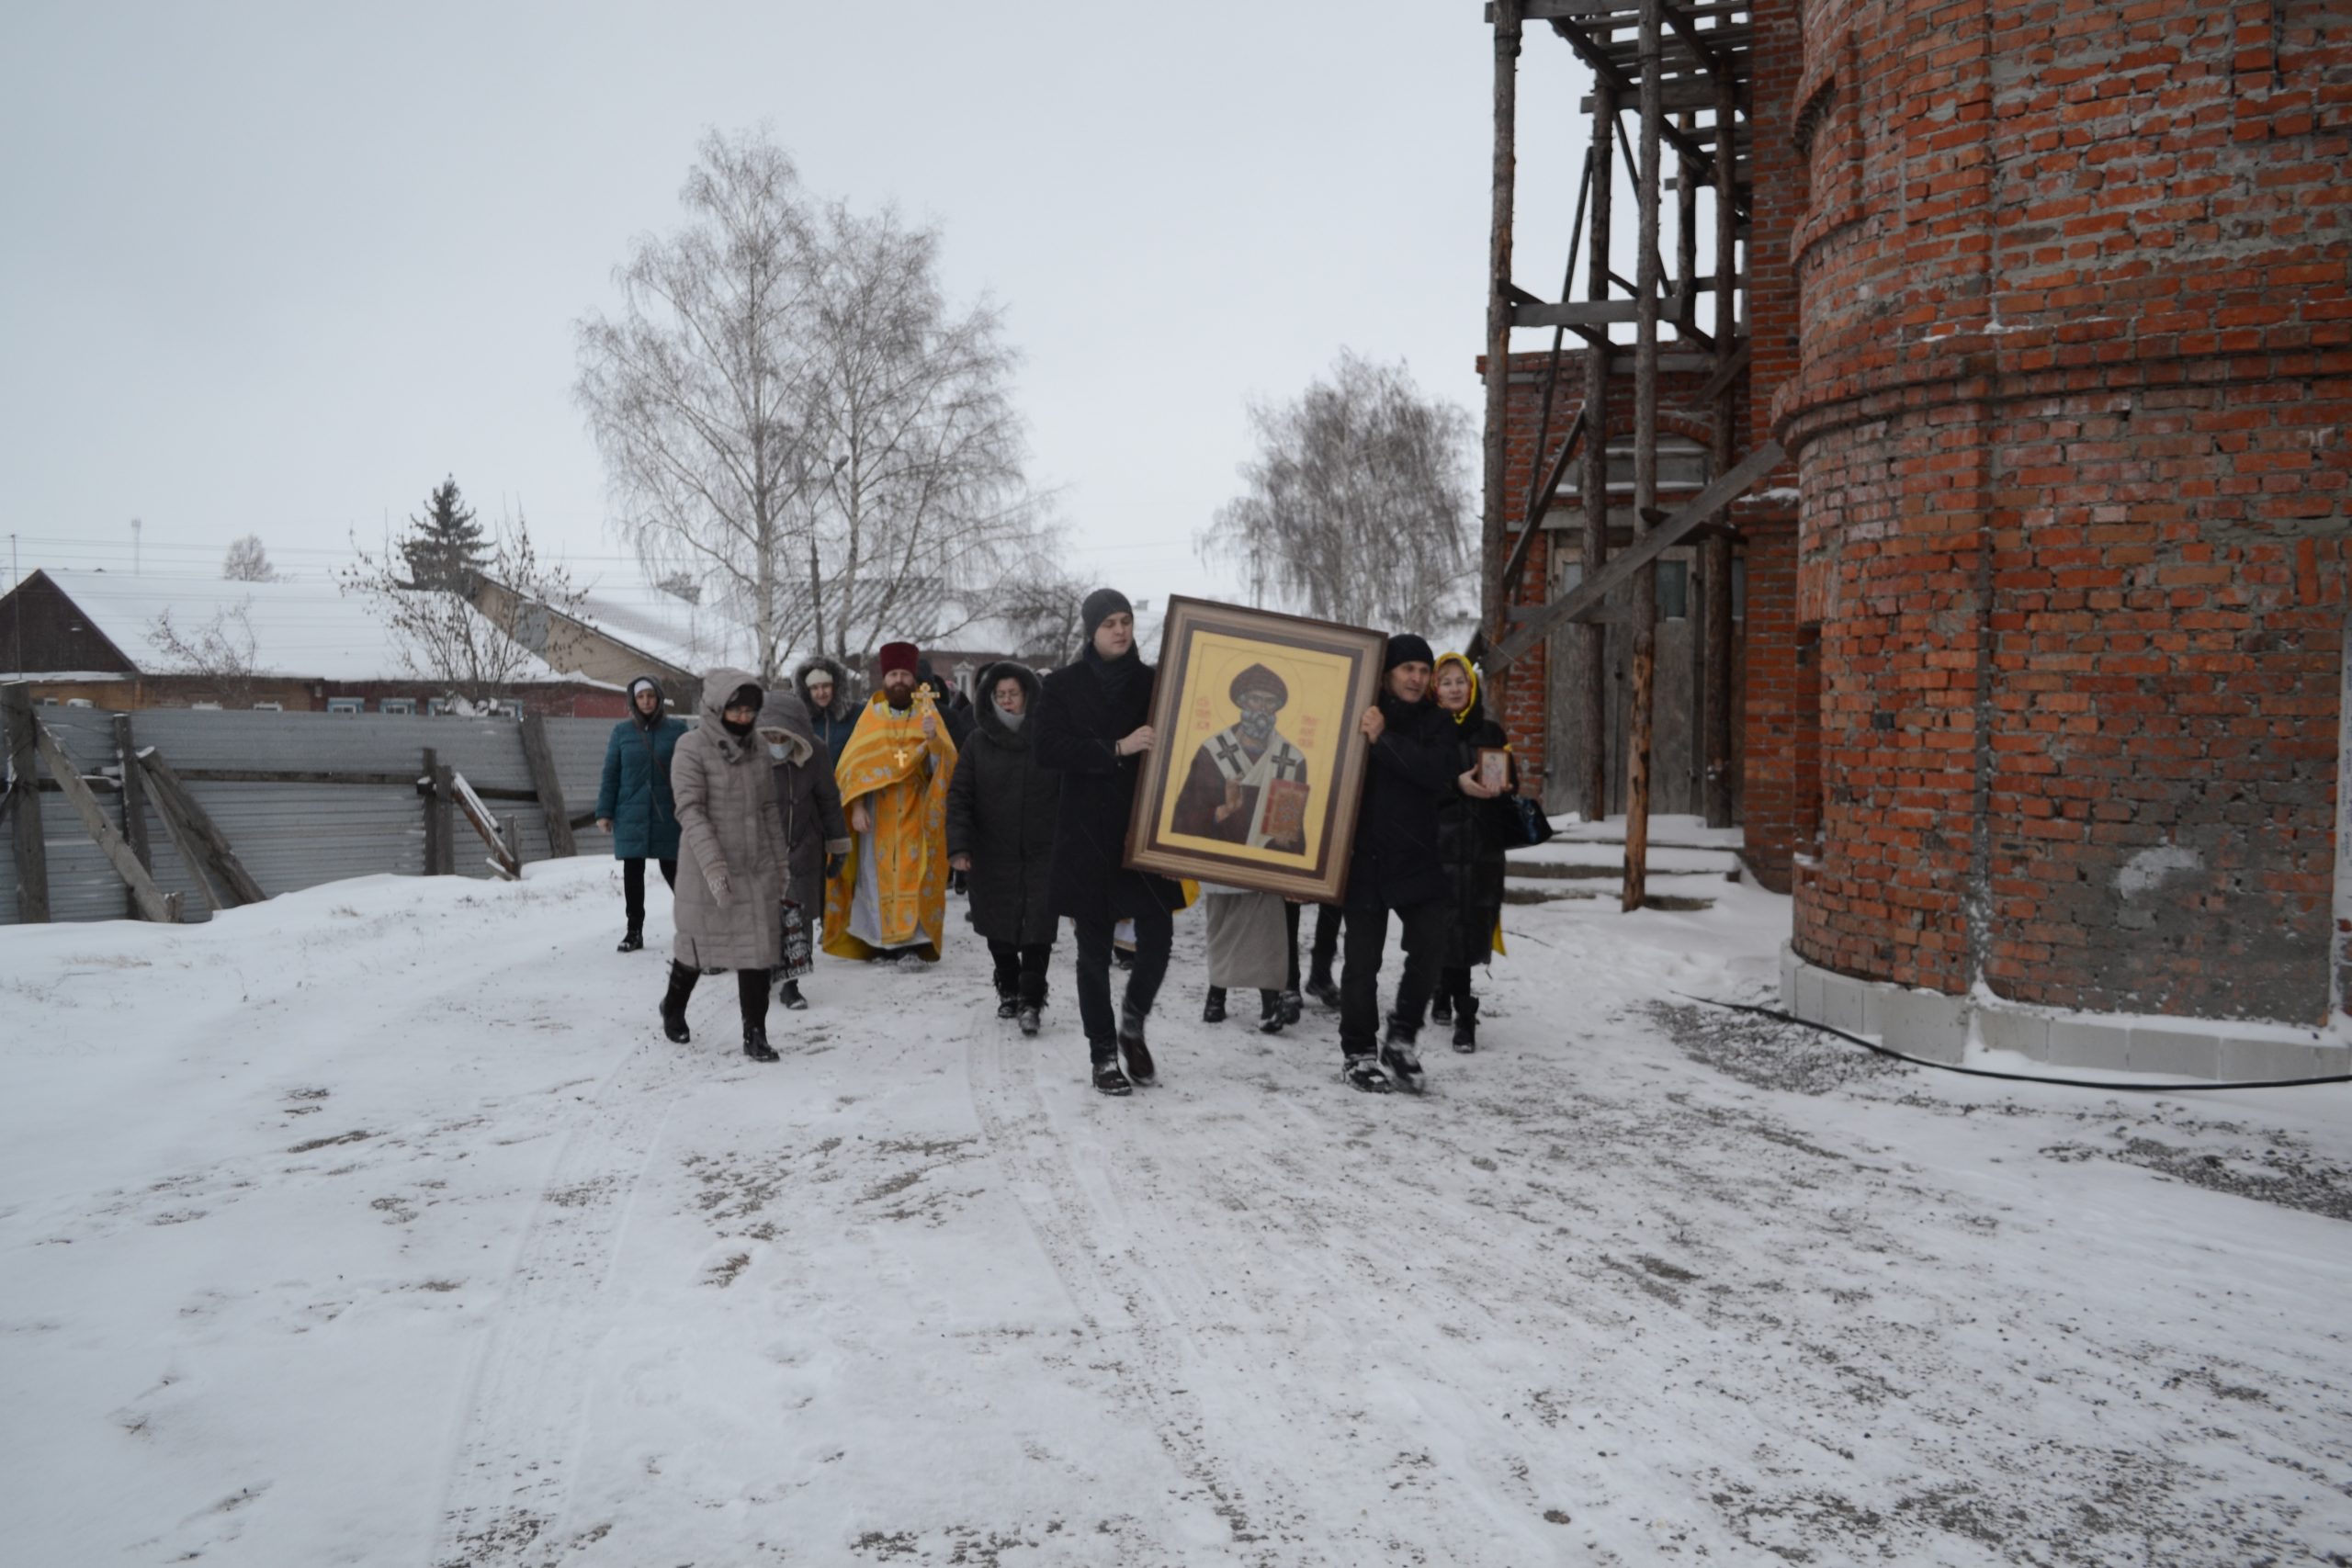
<point x="1008" y="1004"/>
<point x="1108" y="1079"/>
<point x="1363" y="1072"/>
<point x="1442" y="1008"/>
<point x="755" y="1043"/>
<point x="1029" y="1016"/>
<point x="1132" y="1052"/>
<point x="1398" y="1056"/>
<point x="1319" y="987"/>
<point x="1270" y="1013"/>
<point x="1294" y="1008"/>
<point x="631" y="942"/>
<point x="674" y="1005"/>
<point x="789" y="995"/>
<point x="1213" y="1010"/>
<point x="1466" y="1026"/>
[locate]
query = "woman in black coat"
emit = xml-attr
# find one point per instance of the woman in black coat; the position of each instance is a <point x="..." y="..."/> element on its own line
<point x="815" y="832"/>
<point x="1394" y="868"/>
<point x="1471" y="834"/>
<point x="1093" y="725"/>
<point x="1002" y="809"/>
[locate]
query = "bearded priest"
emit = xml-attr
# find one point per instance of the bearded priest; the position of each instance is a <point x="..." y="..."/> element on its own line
<point x="891" y="898"/>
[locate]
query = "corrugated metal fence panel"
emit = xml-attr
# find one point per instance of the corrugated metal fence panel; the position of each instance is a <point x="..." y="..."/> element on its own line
<point x="291" y="836"/>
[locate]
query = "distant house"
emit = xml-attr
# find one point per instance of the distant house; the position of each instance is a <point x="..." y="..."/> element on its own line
<point x="107" y="638"/>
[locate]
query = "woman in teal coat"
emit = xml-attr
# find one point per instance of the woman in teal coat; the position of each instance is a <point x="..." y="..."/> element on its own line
<point x="634" y="804"/>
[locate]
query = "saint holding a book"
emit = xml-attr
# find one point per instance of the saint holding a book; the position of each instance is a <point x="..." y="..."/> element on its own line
<point x="1248" y="784"/>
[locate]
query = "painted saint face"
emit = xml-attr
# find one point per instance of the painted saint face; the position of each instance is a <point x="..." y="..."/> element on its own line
<point x="1258" y="711"/>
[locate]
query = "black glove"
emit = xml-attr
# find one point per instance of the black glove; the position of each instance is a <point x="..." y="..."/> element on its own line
<point x="833" y="864"/>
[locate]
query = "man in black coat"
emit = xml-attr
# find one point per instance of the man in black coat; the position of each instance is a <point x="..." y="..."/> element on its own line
<point x="1001" y="809"/>
<point x="1093" y="725"/>
<point x="1394" y="867"/>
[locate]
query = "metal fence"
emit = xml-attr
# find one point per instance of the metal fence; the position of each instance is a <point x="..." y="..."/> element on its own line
<point x="309" y="829"/>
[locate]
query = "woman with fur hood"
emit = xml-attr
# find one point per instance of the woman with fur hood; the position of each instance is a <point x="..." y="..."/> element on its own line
<point x="732" y="881"/>
<point x="816" y="836"/>
<point x="633" y="801"/>
<point x="833" y="707"/>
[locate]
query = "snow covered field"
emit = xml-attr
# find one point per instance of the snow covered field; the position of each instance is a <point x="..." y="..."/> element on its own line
<point x="378" y="1225"/>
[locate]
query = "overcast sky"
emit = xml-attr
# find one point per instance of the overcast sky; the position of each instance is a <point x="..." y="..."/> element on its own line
<point x="279" y="268"/>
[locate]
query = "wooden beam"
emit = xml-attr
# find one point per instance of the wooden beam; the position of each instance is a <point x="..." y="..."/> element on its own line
<point x="153" y="905"/>
<point x="1540" y="503"/>
<point x="1592" y="695"/>
<point x="502" y="860"/>
<point x="24" y="805"/>
<point x="1727" y="372"/>
<point x="134" y="801"/>
<point x="443" y="808"/>
<point x="1597" y="586"/>
<point x="1639" y="717"/>
<point x="548" y="784"/>
<point x="214" y="860"/>
<point x="1494" y="593"/>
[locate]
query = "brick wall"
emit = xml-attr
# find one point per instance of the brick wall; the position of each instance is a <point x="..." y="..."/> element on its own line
<point x="2071" y="414"/>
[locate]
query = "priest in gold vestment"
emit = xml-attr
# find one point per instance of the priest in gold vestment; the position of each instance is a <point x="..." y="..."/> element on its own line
<point x="890" y="899"/>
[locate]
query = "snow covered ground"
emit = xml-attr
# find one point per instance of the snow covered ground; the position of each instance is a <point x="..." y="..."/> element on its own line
<point x="378" y="1225"/>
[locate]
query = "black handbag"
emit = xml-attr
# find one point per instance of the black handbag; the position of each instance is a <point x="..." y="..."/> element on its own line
<point x="1528" y="825"/>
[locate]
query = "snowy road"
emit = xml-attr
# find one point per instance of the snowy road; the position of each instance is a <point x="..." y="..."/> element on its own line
<point x="379" y="1225"/>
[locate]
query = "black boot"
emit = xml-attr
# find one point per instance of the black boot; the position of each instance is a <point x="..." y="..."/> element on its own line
<point x="631" y="942"/>
<point x="1029" y="1016"/>
<point x="1442" y="1008"/>
<point x="1133" y="1054"/>
<point x="1319" y="987"/>
<point x="674" y="1005"/>
<point x="1363" y="1072"/>
<point x="755" y="1043"/>
<point x="1466" y="1026"/>
<point x="1294" y="1008"/>
<point x="1108" y="1079"/>
<point x="788" y="993"/>
<point x="1398" y="1056"/>
<point x="1270" y="1013"/>
<point x="1213" y="1010"/>
<point x="1007" y="1004"/>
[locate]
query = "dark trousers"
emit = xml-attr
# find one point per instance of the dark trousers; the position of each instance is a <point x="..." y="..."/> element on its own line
<point x="633" y="887"/>
<point x="1155" y="931"/>
<point x="1454" y="984"/>
<point x="1367" y="936"/>
<point x="1021" y="971"/>
<point x="1327" y="940"/>
<point x="750" y="991"/>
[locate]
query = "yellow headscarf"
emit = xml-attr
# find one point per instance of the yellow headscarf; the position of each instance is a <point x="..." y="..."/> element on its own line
<point x="1468" y="669"/>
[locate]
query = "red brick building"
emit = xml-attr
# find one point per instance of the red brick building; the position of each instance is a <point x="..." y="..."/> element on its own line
<point x="2051" y="306"/>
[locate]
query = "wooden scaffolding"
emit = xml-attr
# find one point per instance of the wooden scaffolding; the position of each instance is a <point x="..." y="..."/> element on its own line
<point x="1684" y="68"/>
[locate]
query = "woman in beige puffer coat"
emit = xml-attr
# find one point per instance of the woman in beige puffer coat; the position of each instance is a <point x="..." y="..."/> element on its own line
<point x="732" y="859"/>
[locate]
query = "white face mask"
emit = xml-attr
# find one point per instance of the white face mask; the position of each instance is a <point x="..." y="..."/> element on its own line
<point x="776" y="749"/>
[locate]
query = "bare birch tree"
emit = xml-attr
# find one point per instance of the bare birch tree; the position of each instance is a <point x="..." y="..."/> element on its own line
<point x="791" y="416"/>
<point x="473" y="646"/>
<point x="1358" y="503"/>
<point x="247" y="561"/>
<point x="220" y="652"/>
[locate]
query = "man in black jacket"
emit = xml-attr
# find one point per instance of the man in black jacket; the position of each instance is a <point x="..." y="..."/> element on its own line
<point x="1093" y="725"/>
<point x="1394" y="867"/>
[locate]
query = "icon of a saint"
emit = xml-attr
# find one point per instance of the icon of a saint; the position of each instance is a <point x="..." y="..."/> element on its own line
<point x="1248" y="784"/>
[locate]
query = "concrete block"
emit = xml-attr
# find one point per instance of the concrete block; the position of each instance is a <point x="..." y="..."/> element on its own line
<point x="1809" y="1003"/>
<point x="2251" y="1060"/>
<point x="1927" y="1024"/>
<point x="2007" y="1029"/>
<point x="2086" y="1043"/>
<point x="2185" y="1052"/>
<point x="1841" y="1002"/>
<point x="1874" y="995"/>
<point x="1790" y="964"/>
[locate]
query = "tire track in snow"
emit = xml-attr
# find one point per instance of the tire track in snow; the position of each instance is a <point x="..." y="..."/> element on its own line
<point x="527" y="1401"/>
<point x="1073" y="1209"/>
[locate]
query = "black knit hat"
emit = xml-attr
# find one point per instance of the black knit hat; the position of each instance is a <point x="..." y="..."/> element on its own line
<point x="1406" y="648"/>
<point x="1101" y="605"/>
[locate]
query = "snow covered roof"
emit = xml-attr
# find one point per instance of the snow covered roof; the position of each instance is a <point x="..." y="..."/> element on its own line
<point x="304" y="628"/>
<point x="683" y="635"/>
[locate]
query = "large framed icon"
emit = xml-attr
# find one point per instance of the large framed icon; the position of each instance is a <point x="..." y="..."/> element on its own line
<point x="1258" y="764"/>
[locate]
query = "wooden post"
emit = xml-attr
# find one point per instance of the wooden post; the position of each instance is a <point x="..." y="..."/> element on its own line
<point x="134" y="800"/>
<point x="1494" y="590"/>
<point x="1717" y="549"/>
<point x="432" y="815"/>
<point x="550" y="785"/>
<point x="509" y="835"/>
<point x="444" y="819"/>
<point x="150" y="898"/>
<point x="202" y="842"/>
<point x="24" y="796"/>
<point x="1644" y="606"/>
<point x="1592" y="699"/>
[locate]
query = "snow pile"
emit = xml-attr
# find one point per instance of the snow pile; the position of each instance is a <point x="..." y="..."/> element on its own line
<point x="378" y="1224"/>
